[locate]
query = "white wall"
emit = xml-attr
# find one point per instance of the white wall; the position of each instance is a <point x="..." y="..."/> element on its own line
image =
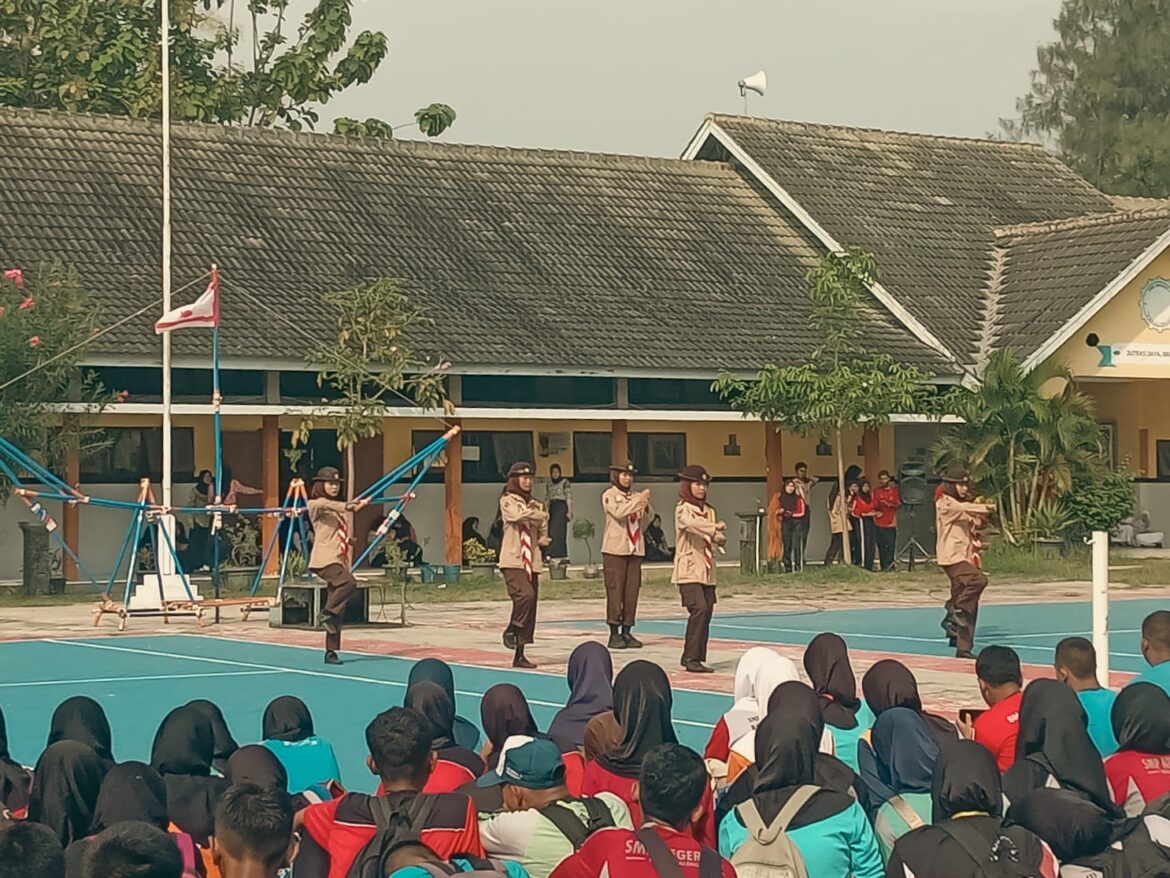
<point x="1154" y="497"/>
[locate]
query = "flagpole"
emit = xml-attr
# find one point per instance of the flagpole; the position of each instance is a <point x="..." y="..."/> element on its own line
<point x="216" y="399"/>
<point x="165" y="31"/>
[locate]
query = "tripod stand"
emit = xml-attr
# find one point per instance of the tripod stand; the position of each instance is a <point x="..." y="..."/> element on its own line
<point x="912" y="549"/>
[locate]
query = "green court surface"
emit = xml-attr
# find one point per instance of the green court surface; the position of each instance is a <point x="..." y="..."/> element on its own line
<point x="138" y="679"/>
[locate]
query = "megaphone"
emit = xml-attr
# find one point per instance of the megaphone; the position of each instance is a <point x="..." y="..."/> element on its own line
<point x="757" y="82"/>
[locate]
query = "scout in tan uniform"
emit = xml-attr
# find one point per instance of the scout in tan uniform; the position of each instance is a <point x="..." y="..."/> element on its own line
<point x="623" y="547"/>
<point x="957" y="522"/>
<point x="525" y="531"/>
<point x="330" y="557"/>
<point x="697" y="535"/>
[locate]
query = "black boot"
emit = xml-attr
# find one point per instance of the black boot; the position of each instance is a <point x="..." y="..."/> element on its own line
<point x="695" y="666"/>
<point x="616" y="640"/>
<point x="509" y="639"/>
<point x="519" y="661"/>
<point x="632" y="642"/>
<point x="331" y="658"/>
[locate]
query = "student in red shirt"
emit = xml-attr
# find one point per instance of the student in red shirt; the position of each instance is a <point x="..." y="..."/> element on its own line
<point x="1139" y="772"/>
<point x="335" y="832"/>
<point x="887" y="500"/>
<point x="454" y="765"/>
<point x="1001" y="683"/>
<point x="863" y="509"/>
<point x="671" y="789"/>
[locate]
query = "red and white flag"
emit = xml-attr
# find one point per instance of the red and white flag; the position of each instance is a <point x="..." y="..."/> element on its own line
<point x="204" y="311"/>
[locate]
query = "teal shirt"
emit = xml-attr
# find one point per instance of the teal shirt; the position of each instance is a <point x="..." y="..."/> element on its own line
<point x="1159" y="675"/>
<point x="838" y="847"/>
<point x="309" y="762"/>
<point x="845" y="740"/>
<point x="889" y="825"/>
<point x="1098" y="705"/>
<point x="515" y="870"/>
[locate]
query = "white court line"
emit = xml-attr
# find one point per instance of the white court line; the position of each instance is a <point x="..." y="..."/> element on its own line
<point x="302" y="672"/>
<point x="136" y="679"/>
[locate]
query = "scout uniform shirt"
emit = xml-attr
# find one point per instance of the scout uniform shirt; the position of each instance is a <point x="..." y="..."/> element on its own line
<point x="516" y="514"/>
<point x="619" y="505"/>
<point x="330" y="533"/>
<point x="695" y="530"/>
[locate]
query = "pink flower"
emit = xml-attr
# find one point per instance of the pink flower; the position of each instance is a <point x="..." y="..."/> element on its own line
<point x="34" y="341"/>
<point x="26" y="304"/>
<point x="16" y="276"/>
<point x="123" y="395"/>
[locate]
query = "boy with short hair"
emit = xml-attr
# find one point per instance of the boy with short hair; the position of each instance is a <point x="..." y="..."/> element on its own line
<point x="1156" y="650"/>
<point x="670" y="790"/>
<point x="133" y="850"/>
<point x="28" y="849"/>
<point x="253" y="832"/>
<point x="1075" y="663"/>
<point x="1001" y="683"/>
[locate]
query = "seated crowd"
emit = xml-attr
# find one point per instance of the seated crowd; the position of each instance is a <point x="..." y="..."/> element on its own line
<point x="826" y="779"/>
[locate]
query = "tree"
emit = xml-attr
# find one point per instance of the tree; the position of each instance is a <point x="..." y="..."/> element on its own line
<point x="46" y="318"/>
<point x="102" y="56"/>
<point x="1099" y="93"/>
<point x="369" y="361"/>
<point x="1027" y="437"/>
<point x="844" y="385"/>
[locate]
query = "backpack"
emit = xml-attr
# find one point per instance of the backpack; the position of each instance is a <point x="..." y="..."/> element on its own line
<point x="902" y="809"/>
<point x="479" y="869"/>
<point x="998" y="859"/>
<point x="666" y="863"/>
<point x="186" y="846"/>
<point x="573" y="827"/>
<point x="392" y="826"/>
<point x="768" y="852"/>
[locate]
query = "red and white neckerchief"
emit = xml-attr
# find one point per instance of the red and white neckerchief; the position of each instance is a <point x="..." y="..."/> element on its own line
<point x="708" y="551"/>
<point x="343" y="534"/>
<point x="634" y="529"/>
<point x="526" y="549"/>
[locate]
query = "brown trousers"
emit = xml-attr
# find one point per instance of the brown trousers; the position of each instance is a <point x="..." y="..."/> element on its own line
<point x="524" y="593"/>
<point x="340" y="586"/>
<point x="623" y="582"/>
<point x="967" y="584"/>
<point x="699" y="599"/>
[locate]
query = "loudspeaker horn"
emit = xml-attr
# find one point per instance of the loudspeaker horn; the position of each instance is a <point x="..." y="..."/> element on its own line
<point x="757" y="82"/>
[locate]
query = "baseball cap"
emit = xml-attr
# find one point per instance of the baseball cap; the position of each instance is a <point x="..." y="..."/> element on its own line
<point x="532" y="763"/>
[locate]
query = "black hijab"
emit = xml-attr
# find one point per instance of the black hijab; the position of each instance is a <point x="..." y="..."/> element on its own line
<point x="225" y="744"/>
<point x="1054" y="738"/>
<point x="287" y="719"/>
<point x="1141" y="719"/>
<point x="966" y="778"/>
<point x="1073" y="827"/>
<point x="505" y="712"/>
<point x="14" y="780"/>
<point x="258" y="765"/>
<point x="641" y="704"/>
<point x="788" y="740"/>
<point x="183" y="751"/>
<point x="826" y="661"/>
<point x="82" y="719"/>
<point x="431" y="701"/>
<point x="437" y="671"/>
<point x="66" y="783"/>
<point x="889" y="684"/>
<point x="132" y="791"/>
<point x="900" y="757"/>
<point x="590" y="693"/>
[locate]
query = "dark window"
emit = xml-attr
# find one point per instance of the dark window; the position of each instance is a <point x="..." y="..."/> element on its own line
<point x="658" y="454"/>
<point x="321" y="450"/>
<point x="144" y="384"/>
<point x="673" y="393"/>
<point x="591" y="454"/>
<point x="1164" y="460"/>
<point x="537" y="390"/>
<point x="136" y="452"/>
<point x="487" y="455"/>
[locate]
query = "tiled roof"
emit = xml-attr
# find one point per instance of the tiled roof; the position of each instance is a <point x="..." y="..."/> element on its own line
<point x="1042" y="274"/>
<point x="526" y="259"/>
<point x="925" y="205"/>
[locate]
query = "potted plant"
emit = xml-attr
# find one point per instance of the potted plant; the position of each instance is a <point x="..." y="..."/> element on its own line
<point x="479" y="559"/>
<point x="243" y="555"/>
<point x="395" y="563"/>
<point x="585" y="531"/>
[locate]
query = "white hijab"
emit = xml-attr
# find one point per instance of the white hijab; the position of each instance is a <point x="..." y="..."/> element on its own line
<point x="758" y="674"/>
<point x="774" y="671"/>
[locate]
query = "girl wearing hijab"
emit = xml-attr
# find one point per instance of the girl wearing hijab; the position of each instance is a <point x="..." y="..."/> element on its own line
<point x="826" y="661"/>
<point x="957" y="522"/>
<point x="1139" y="772"/>
<point x="183" y="751"/>
<point x="829" y="829"/>
<point x="967" y="810"/>
<point x="590" y="675"/>
<point x="455" y="765"/>
<point x="641" y="705"/>
<point x="308" y="759"/>
<point x="795" y="698"/>
<point x="793" y="513"/>
<point x="505" y="713"/>
<point x="558" y="499"/>
<point x="433" y="670"/>
<point x="225" y="744"/>
<point x="1053" y="747"/>
<point x="200" y="536"/>
<point x="888" y="684"/>
<point x="698" y="533"/>
<point x="746" y="715"/>
<point x="897" y="765"/>
<point x="839" y="525"/>
<point x="525" y="532"/>
<point x="864" y="513"/>
<point x="66" y="783"/>
<point x="471" y="531"/>
<point x="82" y="719"/>
<point x="603" y="735"/>
<point x="14" y="778"/>
<point x="745" y="703"/>
<point x="623" y="548"/>
<point x="657" y="549"/>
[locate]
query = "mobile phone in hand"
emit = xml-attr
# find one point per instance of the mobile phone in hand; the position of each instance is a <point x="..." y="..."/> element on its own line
<point x="970" y="714"/>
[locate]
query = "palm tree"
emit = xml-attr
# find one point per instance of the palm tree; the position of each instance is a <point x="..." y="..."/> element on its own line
<point x="1026" y="437"/>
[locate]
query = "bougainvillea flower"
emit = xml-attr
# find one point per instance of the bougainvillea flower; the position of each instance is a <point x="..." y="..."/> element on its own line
<point x="26" y="304"/>
<point x="16" y="276"/>
<point x="34" y="341"/>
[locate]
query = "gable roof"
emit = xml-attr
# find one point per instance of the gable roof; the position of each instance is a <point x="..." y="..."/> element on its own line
<point x="926" y="206"/>
<point x="527" y="260"/>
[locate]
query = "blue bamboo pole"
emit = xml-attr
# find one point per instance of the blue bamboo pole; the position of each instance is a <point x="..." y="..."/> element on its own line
<point x="121" y="554"/>
<point x="374" y="543"/>
<point x="183" y="578"/>
<point x="133" y="566"/>
<point x="42" y="475"/>
<point x="399" y="471"/>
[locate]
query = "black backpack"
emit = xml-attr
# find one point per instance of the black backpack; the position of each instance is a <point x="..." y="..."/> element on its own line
<point x="998" y="859"/>
<point x="573" y="827"/>
<point x="393" y="824"/>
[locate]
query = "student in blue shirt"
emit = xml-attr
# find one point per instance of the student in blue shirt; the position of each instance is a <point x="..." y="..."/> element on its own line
<point x="413" y="859"/>
<point x="1156" y="649"/>
<point x="847" y="717"/>
<point x="831" y="830"/>
<point x="288" y="733"/>
<point x="1076" y="666"/>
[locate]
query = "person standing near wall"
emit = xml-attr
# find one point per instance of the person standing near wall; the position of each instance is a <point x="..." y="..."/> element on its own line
<point x="887" y="501"/>
<point x="804" y="486"/>
<point x="793" y="512"/>
<point x="957" y="522"/>
<point x="698" y="534"/>
<point x="329" y="559"/>
<point x="525" y="522"/>
<point x="623" y="548"/>
<point x="558" y="500"/>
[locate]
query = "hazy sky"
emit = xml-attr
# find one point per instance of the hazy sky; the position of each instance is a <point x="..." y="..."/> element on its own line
<point x="637" y="76"/>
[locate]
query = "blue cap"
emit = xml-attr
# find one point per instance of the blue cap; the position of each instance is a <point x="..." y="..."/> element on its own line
<point x="534" y="764"/>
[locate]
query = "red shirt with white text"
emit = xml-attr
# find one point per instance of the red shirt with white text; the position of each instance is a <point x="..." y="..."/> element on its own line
<point x="997" y="729"/>
<point x="617" y="853"/>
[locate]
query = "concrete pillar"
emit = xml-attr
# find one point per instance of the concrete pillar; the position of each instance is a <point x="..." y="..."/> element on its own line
<point x="71" y="512"/>
<point x="270" y="483"/>
<point x="453" y="493"/>
<point x="774" y="476"/>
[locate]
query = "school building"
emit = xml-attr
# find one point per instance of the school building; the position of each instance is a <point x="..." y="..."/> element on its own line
<point x="584" y="301"/>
